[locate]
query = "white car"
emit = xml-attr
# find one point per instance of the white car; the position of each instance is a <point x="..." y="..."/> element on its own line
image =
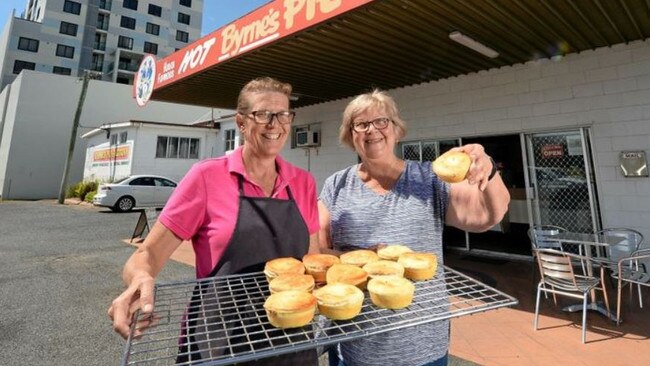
<point x="135" y="191"/>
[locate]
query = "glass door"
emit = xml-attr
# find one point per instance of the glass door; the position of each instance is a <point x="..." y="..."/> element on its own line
<point x="561" y="189"/>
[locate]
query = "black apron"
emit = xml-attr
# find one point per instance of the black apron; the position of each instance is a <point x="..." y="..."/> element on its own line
<point x="266" y="228"/>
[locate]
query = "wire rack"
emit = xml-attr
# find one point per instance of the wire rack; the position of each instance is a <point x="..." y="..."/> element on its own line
<point x="235" y="328"/>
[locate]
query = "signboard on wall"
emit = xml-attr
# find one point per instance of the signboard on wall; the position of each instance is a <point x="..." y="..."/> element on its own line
<point x="275" y="20"/>
<point x="114" y="153"/>
<point x="633" y="163"/>
<point x="107" y="163"/>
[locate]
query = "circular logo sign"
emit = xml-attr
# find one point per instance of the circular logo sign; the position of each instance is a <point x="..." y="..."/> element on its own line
<point x="145" y="80"/>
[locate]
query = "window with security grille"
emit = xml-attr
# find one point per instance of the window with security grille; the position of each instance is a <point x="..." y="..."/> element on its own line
<point x="127" y="22"/>
<point x="151" y="48"/>
<point x="64" y="51"/>
<point x="182" y="36"/>
<point x="28" y="44"/>
<point x="426" y="150"/>
<point x="229" y="139"/>
<point x="72" y="7"/>
<point x="130" y="4"/>
<point x="170" y="147"/>
<point x="123" y="137"/>
<point x="155" y="10"/>
<point x="61" y="70"/>
<point x="153" y="29"/>
<point x="23" y="65"/>
<point x="68" y="28"/>
<point x="183" y="18"/>
<point x="125" y="42"/>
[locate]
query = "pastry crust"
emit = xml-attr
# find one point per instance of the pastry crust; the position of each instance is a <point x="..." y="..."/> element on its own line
<point x="339" y="301"/>
<point x="318" y="264"/>
<point x="419" y="266"/>
<point x="392" y="252"/>
<point x="359" y="257"/>
<point x="391" y="292"/>
<point x="347" y="273"/>
<point x="284" y="265"/>
<point x="290" y="309"/>
<point x="452" y="166"/>
<point x="300" y="282"/>
<point x="384" y="267"/>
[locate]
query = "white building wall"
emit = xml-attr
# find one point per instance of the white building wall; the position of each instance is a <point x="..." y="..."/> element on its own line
<point x="144" y="154"/>
<point x="607" y="89"/>
<point x="39" y="120"/>
<point x="46" y="26"/>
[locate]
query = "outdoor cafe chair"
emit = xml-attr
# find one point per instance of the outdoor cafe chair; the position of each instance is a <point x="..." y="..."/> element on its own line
<point x="632" y="270"/>
<point x="538" y="235"/>
<point x="558" y="277"/>
<point x="631" y="243"/>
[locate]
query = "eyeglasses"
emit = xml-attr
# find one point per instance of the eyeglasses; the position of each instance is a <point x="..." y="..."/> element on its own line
<point x="265" y="117"/>
<point x="379" y="123"/>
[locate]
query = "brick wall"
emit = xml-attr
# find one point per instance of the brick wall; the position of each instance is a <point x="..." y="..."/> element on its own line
<point x="607" y="89"/>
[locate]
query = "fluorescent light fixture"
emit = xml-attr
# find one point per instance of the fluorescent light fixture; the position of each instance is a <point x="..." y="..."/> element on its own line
<point x="475" y="45"/>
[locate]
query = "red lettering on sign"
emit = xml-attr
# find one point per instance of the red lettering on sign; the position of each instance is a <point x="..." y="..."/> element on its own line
<point x="552" y="151"/>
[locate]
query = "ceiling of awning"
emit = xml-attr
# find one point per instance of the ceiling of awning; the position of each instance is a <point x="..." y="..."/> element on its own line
<point x="395" y="43"/>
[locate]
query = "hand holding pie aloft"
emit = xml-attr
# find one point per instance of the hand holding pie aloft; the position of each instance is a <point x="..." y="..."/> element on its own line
<point x="452" y="166"/>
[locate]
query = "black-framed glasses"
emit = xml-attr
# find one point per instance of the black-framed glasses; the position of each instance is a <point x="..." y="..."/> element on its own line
<point x="265" y="117"/>
<point x="379" y="123"/>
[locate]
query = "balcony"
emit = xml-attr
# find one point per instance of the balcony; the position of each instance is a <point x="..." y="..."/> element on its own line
<point x="101" y="46"/>
<point x="105" y="4"/>
<point x="127" y="66"/>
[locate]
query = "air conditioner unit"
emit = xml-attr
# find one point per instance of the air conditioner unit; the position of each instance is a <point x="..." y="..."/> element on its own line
<point x="307" y="138"/>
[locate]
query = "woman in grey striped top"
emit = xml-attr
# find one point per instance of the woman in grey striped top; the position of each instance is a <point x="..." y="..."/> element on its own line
<point x="385" y="199"/>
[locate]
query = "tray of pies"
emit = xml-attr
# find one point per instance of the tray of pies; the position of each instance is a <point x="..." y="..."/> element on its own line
<point x="238" y="318"/>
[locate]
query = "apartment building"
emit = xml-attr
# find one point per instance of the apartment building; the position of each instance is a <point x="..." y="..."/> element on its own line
<point x="108" y="36"/>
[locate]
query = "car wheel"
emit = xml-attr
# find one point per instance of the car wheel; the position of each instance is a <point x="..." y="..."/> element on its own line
<point x="124" y="204"/>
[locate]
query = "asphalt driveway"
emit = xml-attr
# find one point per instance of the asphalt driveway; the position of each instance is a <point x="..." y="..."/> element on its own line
<point x="60" y="266"/>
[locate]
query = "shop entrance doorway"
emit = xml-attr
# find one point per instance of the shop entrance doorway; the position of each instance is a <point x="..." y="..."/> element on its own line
<point x="562" y="190"/>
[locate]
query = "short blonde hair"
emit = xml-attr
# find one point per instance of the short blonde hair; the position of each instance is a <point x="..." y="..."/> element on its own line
<point x="376" y="99"/>
<point x="260" y="85"/>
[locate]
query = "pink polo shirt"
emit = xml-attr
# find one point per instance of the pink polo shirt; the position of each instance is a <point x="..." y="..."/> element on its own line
<point x="205" y="204"/>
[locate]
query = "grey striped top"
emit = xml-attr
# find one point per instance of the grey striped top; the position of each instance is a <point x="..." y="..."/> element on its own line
<point x="412" y="213"/>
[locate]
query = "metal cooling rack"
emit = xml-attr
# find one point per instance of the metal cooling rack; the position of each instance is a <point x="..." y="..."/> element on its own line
<point x="235" y="329"/>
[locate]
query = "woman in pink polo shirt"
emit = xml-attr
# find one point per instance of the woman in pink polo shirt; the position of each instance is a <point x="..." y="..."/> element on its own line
<point x="239" y="211"/>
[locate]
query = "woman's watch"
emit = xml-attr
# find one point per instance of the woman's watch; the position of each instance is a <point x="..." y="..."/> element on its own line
<point x="494" y="169"/>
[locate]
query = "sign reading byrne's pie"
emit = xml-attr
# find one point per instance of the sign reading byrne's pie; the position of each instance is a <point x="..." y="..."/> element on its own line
<point x="272" y="21"/>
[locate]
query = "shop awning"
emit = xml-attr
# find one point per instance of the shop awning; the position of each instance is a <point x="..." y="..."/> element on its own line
<point x="338" y="48"/>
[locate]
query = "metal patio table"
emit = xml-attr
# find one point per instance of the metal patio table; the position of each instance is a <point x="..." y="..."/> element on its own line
<point x="450" y="295"/>
<point x="587" y="244"/>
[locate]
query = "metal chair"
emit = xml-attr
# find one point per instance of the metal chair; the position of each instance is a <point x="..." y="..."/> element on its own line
<point x="631" y="243"/>
<point x="632" y="270"/>
<point x="632" y="240"/>
<point x="538" y="235"/>
<point x="559" y="278"/>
